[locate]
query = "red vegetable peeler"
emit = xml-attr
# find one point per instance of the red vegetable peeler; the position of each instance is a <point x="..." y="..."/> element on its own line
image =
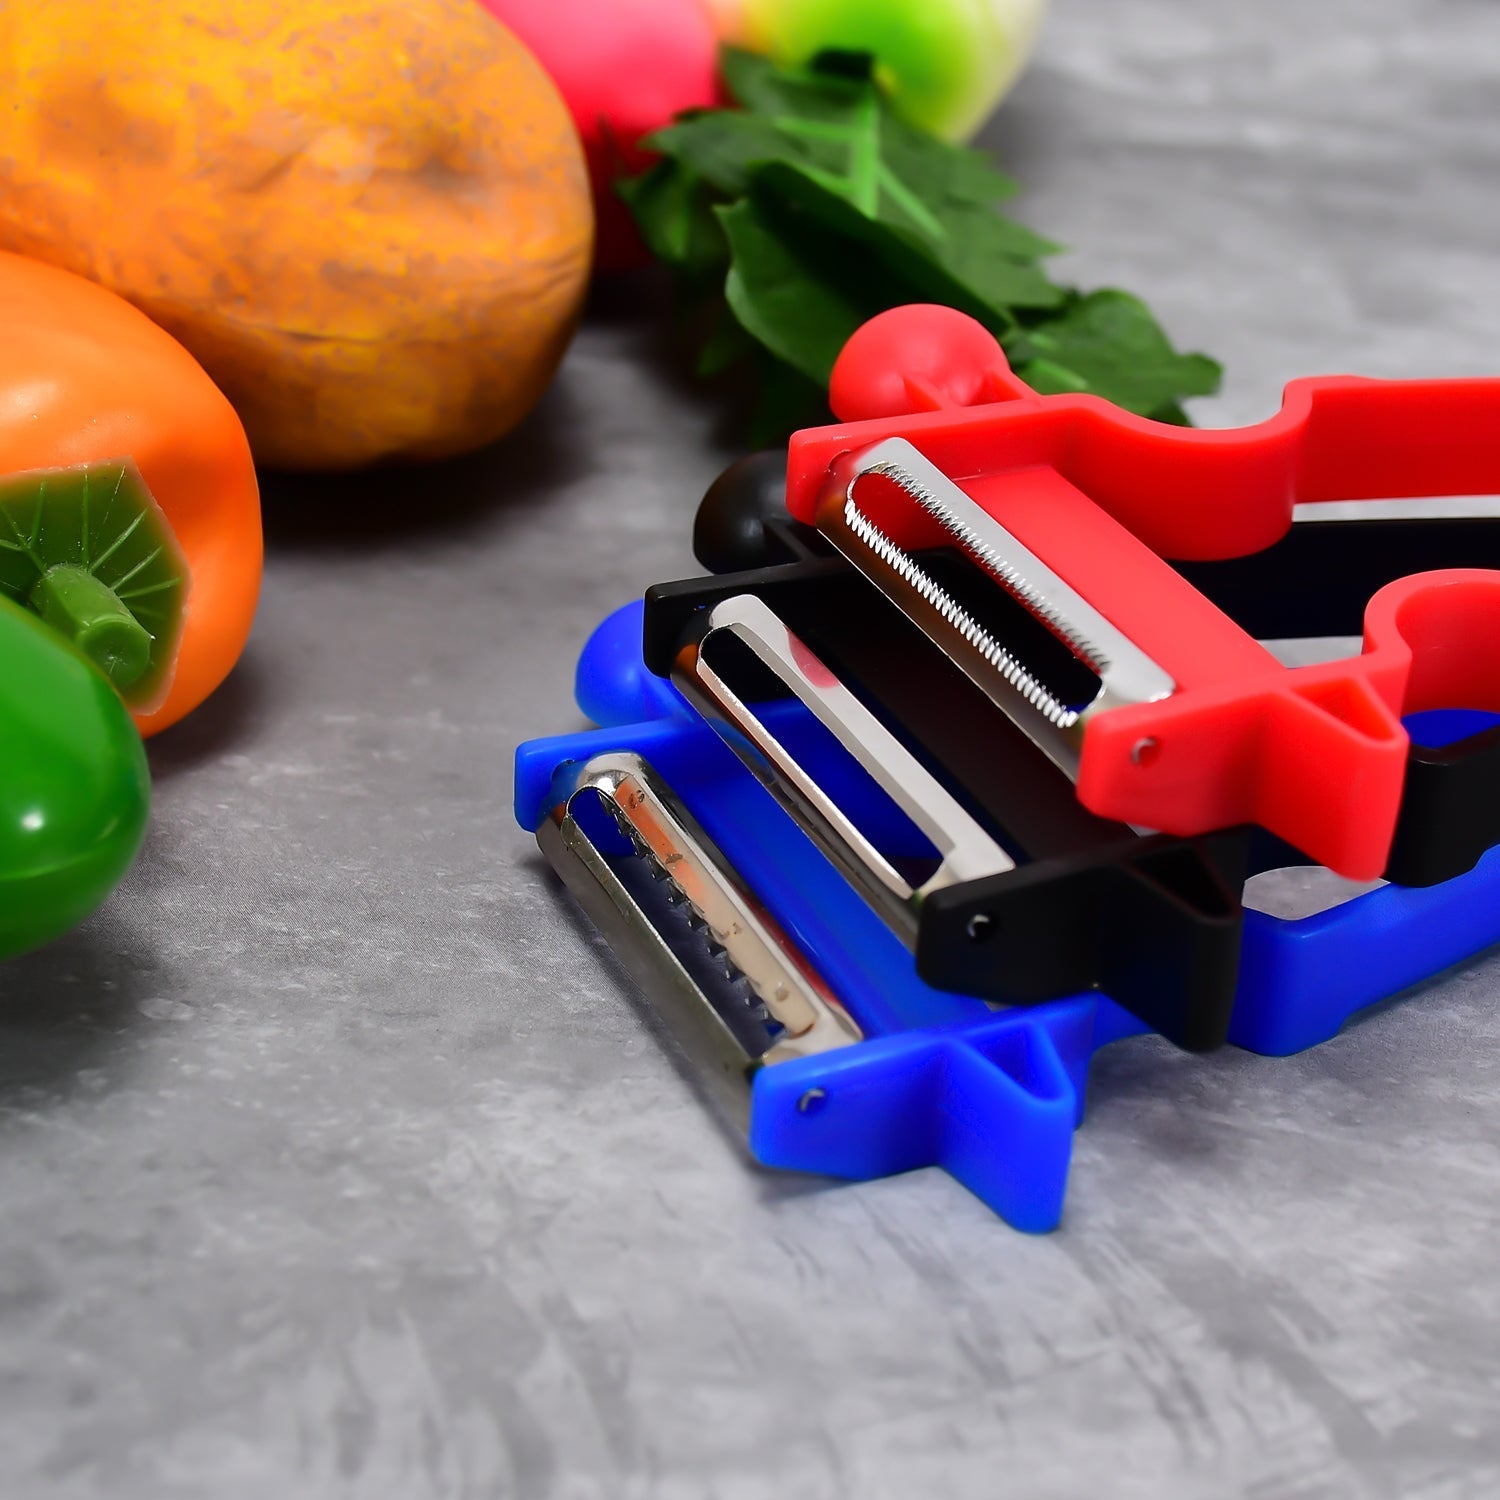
<point x="1166" y="714"/>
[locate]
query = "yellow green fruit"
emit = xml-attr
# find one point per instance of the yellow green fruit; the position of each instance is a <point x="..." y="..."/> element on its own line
<point x="947" y="63"/>
<point x="369" y="220"/>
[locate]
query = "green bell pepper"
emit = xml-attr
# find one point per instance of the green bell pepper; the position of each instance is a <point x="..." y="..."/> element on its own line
<point x="74" y="787"/>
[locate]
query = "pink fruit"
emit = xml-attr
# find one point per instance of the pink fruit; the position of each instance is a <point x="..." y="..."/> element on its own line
<point x="945" y="63"/>
<point x="624" y="69"/>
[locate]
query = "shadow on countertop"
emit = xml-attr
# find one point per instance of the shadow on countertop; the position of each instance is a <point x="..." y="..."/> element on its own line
<point x="223" y="722"/>
<point x="372" y="509"/>
<point x="71" y="1009"/>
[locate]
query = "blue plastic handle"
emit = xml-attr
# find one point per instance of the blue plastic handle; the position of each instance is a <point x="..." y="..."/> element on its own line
<point x="992" y="1096"/>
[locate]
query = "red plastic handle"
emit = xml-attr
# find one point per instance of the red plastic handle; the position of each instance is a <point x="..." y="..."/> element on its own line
<point x="1315" y="754"/>
<point x="1188" y="493"/>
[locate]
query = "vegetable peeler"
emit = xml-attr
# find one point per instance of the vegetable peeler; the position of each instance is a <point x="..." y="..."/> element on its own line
<point x="950" y="823"/>
<point x="1061" y="900"/>
<point x="1315" y="583"/>
<point x="1067" y="510"/>
<point x="798" y="1005"/>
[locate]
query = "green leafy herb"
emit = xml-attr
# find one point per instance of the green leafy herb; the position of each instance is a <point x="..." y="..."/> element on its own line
<point x="814" y="206"/>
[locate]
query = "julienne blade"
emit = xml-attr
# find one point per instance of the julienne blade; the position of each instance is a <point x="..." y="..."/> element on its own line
<point x="714" y="940"/>
<point x="813" y="206"/>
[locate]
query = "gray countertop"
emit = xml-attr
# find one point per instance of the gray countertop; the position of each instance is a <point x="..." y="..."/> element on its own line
<point x="336" y="1157"/>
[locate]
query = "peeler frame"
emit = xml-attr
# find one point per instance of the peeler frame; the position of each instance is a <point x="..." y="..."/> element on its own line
<point x="991" y="1096"/>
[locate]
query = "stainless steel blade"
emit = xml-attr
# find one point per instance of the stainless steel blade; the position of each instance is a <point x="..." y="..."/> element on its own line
<point x="800" y="1015"/>
<point x="1126" y="673"/>
<point x="966" y="851"/>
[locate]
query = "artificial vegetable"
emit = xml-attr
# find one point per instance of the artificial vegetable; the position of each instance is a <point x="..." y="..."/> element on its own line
<point x="74" y="788"/>
<point x="93" y="593"/>
<point x="368" y="219"/>
<point x="624" y="69"/>
<point x="796" y="218"/>
<point x="89" y="551"/>
<point x="84" y="379"/>
<point x="945" y="63"/>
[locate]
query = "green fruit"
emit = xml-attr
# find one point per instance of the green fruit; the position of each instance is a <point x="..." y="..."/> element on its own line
<point x="946" y="63"/>
<point x="74" y="788"/>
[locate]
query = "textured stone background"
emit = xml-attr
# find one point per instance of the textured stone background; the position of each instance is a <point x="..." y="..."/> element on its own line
<point x="335" y="1159"/>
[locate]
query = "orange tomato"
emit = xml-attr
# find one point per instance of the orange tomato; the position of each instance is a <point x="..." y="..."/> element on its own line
<point x="85" y="377"/>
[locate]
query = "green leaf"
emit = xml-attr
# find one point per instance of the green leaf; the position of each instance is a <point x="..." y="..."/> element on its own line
<point x="815" y="206"/>
<point x="674" y="210"/>
<point x="750" y="79"/>
<point x="954" y="174"/>
<point x="725" y="344"/>
<point x="982" y="233"/>
<point x="793" y="296"/>
<point x="724" y="148"/>
<point x="787" y="401"/>
<point x="848" y="148"/>
<point x="839" y="62"/>
<point x="1109" y="343"/>
<point x="764" y="88"/>
<point x="1172" y="414"/>
<point x="920" y="267"/>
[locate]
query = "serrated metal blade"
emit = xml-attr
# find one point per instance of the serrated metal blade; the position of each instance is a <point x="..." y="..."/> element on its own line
<point x="1125" y="672"/>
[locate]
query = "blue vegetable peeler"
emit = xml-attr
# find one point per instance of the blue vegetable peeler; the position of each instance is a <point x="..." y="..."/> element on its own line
<point x="802" y="1011"/>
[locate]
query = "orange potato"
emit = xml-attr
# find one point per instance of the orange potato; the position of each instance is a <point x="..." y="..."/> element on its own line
<point x="369" y="220"/>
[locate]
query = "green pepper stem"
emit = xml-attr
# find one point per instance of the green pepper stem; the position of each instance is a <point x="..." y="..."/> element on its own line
<point x="89" y="613"/>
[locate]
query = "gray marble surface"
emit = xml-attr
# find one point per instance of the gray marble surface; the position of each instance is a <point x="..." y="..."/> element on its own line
<point x="336" y="1160"/>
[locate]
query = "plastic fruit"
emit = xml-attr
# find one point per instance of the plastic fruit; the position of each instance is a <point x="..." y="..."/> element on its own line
<point x="369" y="220"/>
<point x="74" y="789"/>
<point x="947" y="63"/>
<point x="85" y="378"/>
<point x="624" y="68"/>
